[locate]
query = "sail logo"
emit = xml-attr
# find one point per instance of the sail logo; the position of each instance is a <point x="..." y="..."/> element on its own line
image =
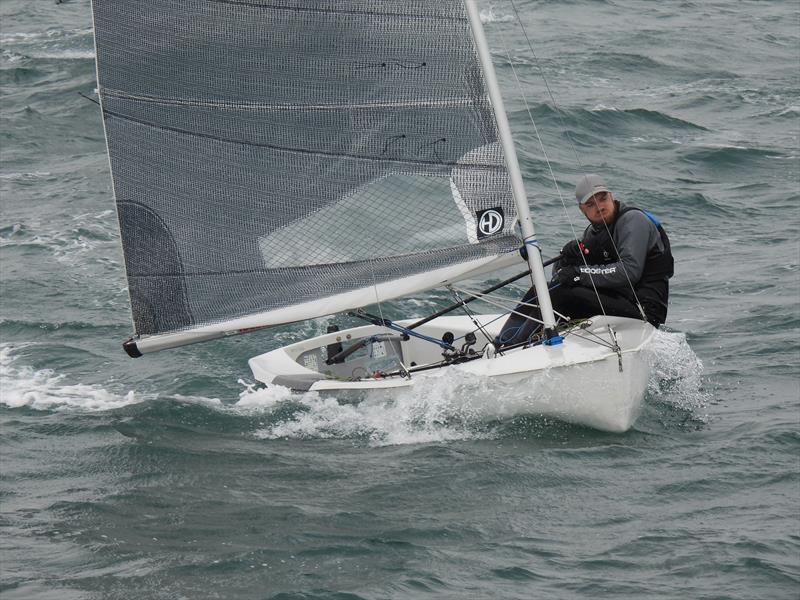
<point x="490" y="221"/>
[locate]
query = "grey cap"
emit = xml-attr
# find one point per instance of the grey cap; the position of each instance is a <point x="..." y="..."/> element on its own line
<point x="588" y="186"/>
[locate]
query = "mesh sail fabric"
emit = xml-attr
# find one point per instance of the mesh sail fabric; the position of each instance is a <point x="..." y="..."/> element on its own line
<point x="269" y="153"/>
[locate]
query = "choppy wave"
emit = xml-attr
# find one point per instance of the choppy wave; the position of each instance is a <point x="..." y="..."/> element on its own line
<point x="793" y="110"/>
<point x="88" y="235"/>
<point x="48" y="54"/>
<point x="25" y="176"/>
<point x="612" y="118"/>
<point x="490" y="15"/>
<point x="696" y="204"/>
<point x="48" y="34"/>
<point x="449" y="407"/>
<point x="638" y="119"/>
<point x="729" y="156"/>
<point x="55" y="42"/>
<point x="23" y="49"/>
<point x="642" y="65"/>
<point x="45" y="389"/>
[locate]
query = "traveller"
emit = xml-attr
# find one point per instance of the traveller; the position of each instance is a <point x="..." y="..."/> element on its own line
<point x="622" y="262"/>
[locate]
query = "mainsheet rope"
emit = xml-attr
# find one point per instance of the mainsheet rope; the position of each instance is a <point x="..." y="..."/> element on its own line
<point x="541" y="142"/>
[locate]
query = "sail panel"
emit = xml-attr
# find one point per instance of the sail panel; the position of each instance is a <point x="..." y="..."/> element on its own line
<point x="266" y="154"/>
<point x="304" y="52"/>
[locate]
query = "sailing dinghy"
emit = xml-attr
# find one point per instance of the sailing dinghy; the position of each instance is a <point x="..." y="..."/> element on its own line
<point x="274" y="162"/>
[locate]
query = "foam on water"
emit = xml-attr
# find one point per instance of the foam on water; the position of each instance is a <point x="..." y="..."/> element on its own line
<point x="676" y="377"/>
<point x="88" y="236"/>
<point x="408" y="417"/>
<point x="49" y="34"/>
<point x="489" y="15"/>
<point x="65" y="54"/>
<point x="25" y="176"/>
<point x="52" y="44"/>
<point x="451" y="405"/>
<point x="47" y="390"/>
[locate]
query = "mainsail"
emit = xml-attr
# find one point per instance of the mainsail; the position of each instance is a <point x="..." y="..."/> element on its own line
<point x="274" y="161"/>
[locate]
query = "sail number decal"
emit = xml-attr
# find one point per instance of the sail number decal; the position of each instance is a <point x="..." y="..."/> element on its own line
<point x="490" y="221"/>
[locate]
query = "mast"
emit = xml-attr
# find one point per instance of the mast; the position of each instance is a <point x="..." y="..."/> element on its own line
<point x="517" y="186"/>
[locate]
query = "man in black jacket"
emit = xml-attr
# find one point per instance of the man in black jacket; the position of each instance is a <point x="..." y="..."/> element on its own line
<point x="621" y="266"/>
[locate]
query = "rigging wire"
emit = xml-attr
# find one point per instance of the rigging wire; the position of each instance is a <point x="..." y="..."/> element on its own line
<point x="597" y="339"/>
<point x="484" y="297"/>
<point x="504" y="306"/>
<point x="541" y="142"/>
<point x="577" y="160"/>
<point x="547" y="85"/>
<point x="624" y="271"/>
<point x="403" y="367"/>
<point x="590" y="337"/>
<point x="560" y="114"/>
<point x="470" y="314"/>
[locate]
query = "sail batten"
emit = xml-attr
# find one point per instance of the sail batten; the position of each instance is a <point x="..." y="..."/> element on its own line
<point x="259" y="106"/>
<point x="297" y="7"/>
<point x="267" y="155"/>
<point x="397" y="160"/>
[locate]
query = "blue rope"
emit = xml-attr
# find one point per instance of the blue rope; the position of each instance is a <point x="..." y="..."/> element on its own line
<point x="422" y="336"/>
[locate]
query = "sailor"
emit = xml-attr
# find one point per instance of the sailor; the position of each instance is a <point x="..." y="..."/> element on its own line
<point x="621" y="266"/>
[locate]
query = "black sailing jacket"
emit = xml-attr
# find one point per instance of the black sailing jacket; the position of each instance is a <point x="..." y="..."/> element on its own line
<point x="640" y="252"/>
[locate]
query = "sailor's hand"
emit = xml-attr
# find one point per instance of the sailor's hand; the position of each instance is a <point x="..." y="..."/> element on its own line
<point x="568" y="276"/>
<point x="573" y="253"/>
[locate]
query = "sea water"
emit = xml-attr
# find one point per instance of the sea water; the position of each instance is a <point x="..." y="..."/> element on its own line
<point x="174" y="476"/>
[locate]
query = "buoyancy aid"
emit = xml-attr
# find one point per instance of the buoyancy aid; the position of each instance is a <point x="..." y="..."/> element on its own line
<point x="652" y="289"/>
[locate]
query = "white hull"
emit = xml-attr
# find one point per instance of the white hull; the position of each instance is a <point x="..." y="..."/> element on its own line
<point x="578" y="381"/>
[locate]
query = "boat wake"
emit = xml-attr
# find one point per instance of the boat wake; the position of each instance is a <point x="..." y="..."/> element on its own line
<point x="379" y="419"/>
<point x="449" y="407"/>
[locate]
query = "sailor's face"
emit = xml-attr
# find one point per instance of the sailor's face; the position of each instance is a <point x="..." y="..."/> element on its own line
<point x="600" y="208"/>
